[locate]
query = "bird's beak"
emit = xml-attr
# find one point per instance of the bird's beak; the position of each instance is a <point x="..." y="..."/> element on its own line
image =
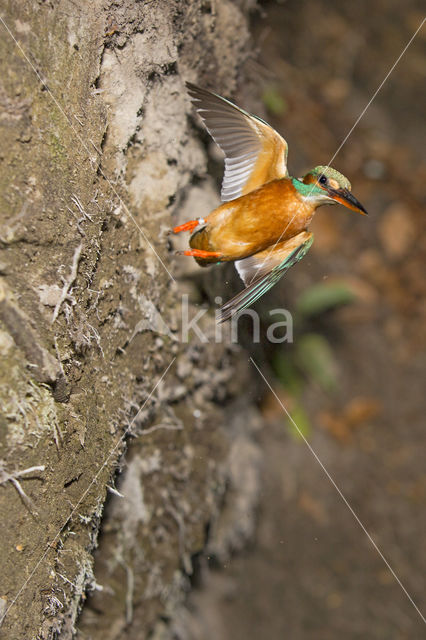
<point x="345" y="197"/>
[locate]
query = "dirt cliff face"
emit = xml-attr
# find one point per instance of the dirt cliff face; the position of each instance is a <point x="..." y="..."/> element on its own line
<point x="98" y="392"/>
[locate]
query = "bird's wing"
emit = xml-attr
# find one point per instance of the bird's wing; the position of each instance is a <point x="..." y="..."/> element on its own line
<point x="254" y="152"/>
<point x="262" y="270"/>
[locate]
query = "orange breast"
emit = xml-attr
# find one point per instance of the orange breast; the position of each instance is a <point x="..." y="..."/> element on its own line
<point x="254" y="221"/>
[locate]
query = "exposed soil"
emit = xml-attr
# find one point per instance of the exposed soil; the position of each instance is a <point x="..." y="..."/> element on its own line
<point x="97" y="153"/>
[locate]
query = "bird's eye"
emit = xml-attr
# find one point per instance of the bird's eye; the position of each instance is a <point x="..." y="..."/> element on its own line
<point x="322" y="180"/>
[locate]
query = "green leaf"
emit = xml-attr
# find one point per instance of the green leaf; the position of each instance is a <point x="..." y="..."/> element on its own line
<point x="286" y="372"/>
<point x="315" y="357"/>
<point x="323" y="297"/>
<point x="274" y="102"/>
<point x="301" y="419"/>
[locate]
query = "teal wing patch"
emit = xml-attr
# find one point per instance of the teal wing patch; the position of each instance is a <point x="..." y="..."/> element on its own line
<point x="260" y="284"/>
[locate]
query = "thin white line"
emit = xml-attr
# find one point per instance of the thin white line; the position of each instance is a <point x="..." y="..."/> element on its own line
<point x="80" y="139"/>
<point x="378" y="89"/>
<point x="340" y="494"/>
<point x="350" y="132"/>
<point x="85" y="492"/>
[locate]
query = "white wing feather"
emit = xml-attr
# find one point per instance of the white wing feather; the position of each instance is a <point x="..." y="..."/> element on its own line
<point x="245" y="140"/>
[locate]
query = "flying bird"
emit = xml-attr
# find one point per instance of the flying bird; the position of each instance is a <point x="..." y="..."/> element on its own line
<point x="262" y="225"/>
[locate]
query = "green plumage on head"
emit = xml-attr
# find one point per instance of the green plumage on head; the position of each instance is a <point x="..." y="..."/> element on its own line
<point x="329" y="172"/>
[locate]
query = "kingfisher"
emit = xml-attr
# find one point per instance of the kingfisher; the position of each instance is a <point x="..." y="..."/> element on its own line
<point x="262" y="225"/>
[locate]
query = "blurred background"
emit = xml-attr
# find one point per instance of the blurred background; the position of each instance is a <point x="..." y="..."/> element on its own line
<point x="353" y="380"/>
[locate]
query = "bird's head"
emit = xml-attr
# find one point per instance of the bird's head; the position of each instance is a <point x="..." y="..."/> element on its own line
<point x="327" y="186"/>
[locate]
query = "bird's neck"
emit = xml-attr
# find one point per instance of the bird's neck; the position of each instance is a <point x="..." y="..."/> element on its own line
<point x="310" y="194"/>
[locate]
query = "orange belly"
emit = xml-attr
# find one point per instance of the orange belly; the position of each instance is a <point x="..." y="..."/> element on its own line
<point x="253" y="222"/>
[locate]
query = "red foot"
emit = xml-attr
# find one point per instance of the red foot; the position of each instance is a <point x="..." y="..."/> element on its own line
<point x="188" y="226"/>
<point x="199" y="253"/>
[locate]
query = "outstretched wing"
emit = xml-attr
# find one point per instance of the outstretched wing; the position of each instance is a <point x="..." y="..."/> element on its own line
<point x="254" y="152"/>
<point x="261" y="271"/>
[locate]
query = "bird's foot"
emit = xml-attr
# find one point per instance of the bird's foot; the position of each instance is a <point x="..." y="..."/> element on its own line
<point x="188" y="226"/>
<point x="199" y="253"/>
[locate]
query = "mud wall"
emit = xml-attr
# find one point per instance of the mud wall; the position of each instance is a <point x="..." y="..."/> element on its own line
<point x="101" y="401"/>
